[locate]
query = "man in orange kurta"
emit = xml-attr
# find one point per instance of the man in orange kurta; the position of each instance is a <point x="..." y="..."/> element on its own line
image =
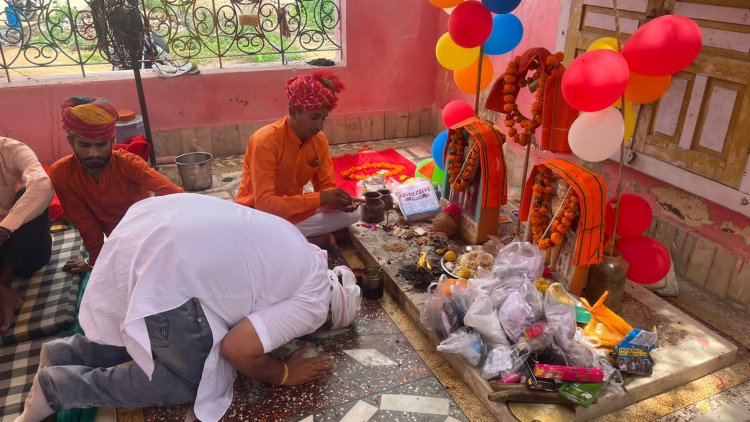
<point x="95" y="184"/>
<point x="283" y="157"/>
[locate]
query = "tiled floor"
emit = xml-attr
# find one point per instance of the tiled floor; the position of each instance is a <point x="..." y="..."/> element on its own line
<point x="379" y="376"/>
<point x="380" y="373"/>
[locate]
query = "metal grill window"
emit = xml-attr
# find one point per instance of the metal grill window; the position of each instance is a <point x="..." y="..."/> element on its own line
<point x="45" y="37"/>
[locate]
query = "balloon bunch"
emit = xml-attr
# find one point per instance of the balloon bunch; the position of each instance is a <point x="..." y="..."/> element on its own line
<point x="470" y="26"/>
<point x="473" y="33"/>
<point x="641" y="73"/>
<point x="648" y="260"/>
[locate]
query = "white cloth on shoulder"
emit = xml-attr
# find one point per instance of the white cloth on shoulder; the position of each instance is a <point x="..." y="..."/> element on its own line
<point x="345" y="297"/>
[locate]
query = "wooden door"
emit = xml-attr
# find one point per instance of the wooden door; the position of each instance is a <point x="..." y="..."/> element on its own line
<point x="594" y="19"/>
<point x="702" y="124"/>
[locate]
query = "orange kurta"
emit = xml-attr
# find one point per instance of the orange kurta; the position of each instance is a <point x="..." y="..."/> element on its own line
<point x="96" y="207"/>
<point x="277" y="166"/>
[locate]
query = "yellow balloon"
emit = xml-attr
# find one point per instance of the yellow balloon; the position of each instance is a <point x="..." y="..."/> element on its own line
<point x="629" y="116"/>
<point x="605" y="43"/>
<point x="629" y="121"/>
<point x="452" y="56"/>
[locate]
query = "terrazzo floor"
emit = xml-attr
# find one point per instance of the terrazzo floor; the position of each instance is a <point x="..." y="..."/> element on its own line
<point x="382" y="375"/>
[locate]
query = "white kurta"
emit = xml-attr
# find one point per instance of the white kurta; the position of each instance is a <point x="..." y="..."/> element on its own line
<point x="237" y="261"/>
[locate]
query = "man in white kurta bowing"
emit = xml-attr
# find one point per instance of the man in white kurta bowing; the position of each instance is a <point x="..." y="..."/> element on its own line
<point x="192" y="289"/>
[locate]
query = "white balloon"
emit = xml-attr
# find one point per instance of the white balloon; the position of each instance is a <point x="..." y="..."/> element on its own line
<point x="598" y="135"/>
<point x="449" y="10"/>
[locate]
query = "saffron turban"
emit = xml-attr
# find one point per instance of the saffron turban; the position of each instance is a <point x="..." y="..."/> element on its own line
<point x="314" y="92"/>
<point x="90" y="118"/>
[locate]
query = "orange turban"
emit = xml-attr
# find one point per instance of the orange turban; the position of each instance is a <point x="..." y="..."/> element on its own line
<point x="314" y="92"/>
<point x="90" y="118"/>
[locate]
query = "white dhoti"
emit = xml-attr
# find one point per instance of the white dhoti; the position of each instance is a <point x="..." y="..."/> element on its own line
<point x="327" y="220"/>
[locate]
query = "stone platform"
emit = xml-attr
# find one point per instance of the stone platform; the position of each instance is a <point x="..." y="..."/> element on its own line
<point x="687" y="350"/>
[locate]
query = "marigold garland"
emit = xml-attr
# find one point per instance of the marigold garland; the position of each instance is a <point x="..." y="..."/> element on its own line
<point x="461" y="170"/>
<point x="351" y="172"/>
<point x="541" y="199"/>
<point x="513" y="82"/>
<point x="541" y="212"/>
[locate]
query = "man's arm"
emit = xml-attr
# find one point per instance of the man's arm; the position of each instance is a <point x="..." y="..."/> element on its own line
<point x="38" y="193"/>
<point x="261" y="161"/>
<point x="144" y="175"/>
<point x="242" y="348"/>
<point x="81" y="216"/>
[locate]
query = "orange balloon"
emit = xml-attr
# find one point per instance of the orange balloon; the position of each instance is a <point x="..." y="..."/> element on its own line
<point x="445" y="3"/>
<point x="644" y="89"/>
<point x="466" y="79"/>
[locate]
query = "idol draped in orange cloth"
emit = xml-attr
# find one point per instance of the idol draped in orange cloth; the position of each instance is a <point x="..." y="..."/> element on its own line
<point x="592" y="193"/>
<point x="281" y="158"/>
<point x="96" y="185"/>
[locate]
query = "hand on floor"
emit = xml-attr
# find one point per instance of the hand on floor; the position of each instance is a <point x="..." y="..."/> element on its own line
<point x="303" y="370"/>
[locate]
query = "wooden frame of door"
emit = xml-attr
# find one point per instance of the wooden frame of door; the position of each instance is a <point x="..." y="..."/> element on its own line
<point x="735" y="199"/>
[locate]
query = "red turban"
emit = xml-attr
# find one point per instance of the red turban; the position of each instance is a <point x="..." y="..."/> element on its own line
<point x="90" y="118"/>
<point x="314" y="92"/>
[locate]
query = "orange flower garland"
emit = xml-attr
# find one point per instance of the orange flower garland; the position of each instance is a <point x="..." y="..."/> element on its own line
<point x="461" y="170"/>
<point x="541" y="208"/>
<point x="371" y="169"/>
<point x="513" y="84"/>
<point x="562" y="222"/>
<point x="541" y="212"/>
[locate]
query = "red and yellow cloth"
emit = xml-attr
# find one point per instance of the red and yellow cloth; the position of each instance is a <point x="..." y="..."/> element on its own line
<point x="314" y="92"/>
<point x="348" y="161"/>
<point x="90" y="118"/>
<point x="592" y="193"/>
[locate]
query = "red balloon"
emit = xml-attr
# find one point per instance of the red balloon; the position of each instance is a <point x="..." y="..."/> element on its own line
<point x="470" y="24"/>
<point x="457" y="111"/>
<point x="595" y="80"/>
<point x="663" y="46"/>
<point x="648" y="260"/>
<point x="635" y="216"/>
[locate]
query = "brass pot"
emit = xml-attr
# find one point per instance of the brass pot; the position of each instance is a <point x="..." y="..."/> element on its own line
<point x="608" y="275"/>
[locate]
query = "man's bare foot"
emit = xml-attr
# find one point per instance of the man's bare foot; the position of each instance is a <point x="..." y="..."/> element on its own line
<point x="9" y="304"/>
<point x="324" y="241"/>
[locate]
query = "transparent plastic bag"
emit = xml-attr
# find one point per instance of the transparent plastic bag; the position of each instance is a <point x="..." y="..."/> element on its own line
<point x="483" y="319"/>
<point x="519" y="258"/>
<point x="515" y="315"/>
<point x="431" y="315"/>
<point x="503" y="361"/>
<point x="465" y="343"/>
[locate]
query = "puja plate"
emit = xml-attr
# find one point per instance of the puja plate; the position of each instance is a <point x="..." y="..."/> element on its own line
<point x="464" y="250"/>
<point x="531" y="412"/>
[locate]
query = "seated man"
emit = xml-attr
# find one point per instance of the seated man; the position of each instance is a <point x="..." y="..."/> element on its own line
<point x="96" y="185"/>
<point x="193" y="288"/>
<point x="25" y="242"/>
<point x="283" y="157"/>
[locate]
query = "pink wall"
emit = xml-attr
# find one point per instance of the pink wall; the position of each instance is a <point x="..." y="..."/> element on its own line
<point x="389" y="65"/>
<point x="539" y="20"/>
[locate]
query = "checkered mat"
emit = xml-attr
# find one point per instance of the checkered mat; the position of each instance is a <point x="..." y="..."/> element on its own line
<point x="49" y="295"/>
<point x="18" y="365"/>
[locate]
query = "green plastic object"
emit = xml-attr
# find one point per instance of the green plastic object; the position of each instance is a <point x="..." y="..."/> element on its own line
<point x="582" y="315"/>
